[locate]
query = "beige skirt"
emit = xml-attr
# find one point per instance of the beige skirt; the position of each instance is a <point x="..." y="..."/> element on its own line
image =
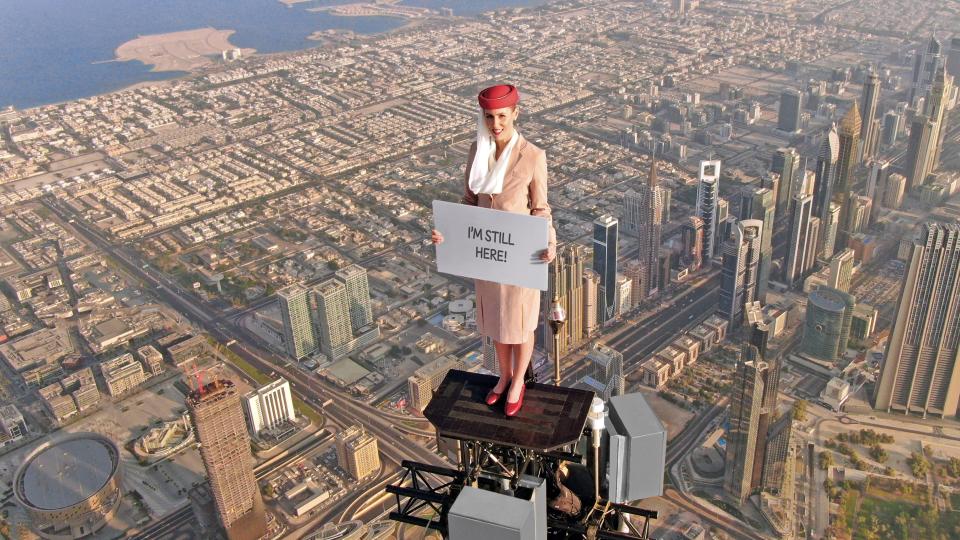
<point x="506" y="313"/>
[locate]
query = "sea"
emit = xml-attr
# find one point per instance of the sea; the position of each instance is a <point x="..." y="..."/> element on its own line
<point x="60" y="50"/>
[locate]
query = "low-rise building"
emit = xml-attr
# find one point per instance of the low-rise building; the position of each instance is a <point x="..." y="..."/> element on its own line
<point x="655" y="372"/>
<point x="152" y="360"/>
<point x="122" y="374"/>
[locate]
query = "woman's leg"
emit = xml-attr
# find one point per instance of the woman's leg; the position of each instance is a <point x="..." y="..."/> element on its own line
<point x="523" y="351"/>
<point x="504" y="360"/>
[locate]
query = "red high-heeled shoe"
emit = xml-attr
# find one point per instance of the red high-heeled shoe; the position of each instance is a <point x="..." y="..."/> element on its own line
<point x="511" y="409"/>
<point x="493" y="397"/>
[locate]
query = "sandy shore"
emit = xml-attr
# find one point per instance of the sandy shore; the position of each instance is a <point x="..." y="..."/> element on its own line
<point x="178" y="51"/>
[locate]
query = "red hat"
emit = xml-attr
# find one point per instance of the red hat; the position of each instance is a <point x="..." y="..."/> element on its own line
<point x="499" y="97"/>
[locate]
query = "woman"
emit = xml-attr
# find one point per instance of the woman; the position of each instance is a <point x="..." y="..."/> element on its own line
<point x="506" y="172"/>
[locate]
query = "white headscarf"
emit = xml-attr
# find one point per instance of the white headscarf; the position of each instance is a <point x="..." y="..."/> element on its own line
<point x="485" y="178"/>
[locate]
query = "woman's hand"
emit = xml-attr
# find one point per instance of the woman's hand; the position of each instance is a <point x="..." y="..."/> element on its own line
<point x="548" y="254"/>
<point x="436" y="237"/>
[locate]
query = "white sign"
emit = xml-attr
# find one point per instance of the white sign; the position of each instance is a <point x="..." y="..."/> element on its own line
<point x="492" y="245"/>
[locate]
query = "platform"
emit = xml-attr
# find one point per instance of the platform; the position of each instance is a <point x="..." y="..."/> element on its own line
<point x="552" y="416"/>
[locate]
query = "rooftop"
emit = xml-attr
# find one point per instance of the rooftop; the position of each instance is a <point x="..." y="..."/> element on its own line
<point x="67" y="472"/>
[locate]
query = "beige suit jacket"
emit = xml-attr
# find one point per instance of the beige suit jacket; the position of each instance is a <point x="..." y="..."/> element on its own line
<point x="508" y="313"/>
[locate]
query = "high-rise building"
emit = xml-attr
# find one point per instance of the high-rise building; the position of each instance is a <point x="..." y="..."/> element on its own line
<point x="591" y="302"/>
<point x="921" y="372"/>
<point x="860" y="209"/>
<point x="918" y="151"/>
<point x="740" y="270"/>
<point x="894" y="191"/>
<point x="427" y="378"/>
<point x="692" y="234"/>
<point x="298" y="331"/>
<point x="624" y="295"/>
<point x="841" y="270"/>
<point x="269" y="407"/>
<point x="786" y="163"/>
<point x="826" y="328"/>
<point x="891" y="128"/>
<point x="849" y="136"/>
<point x="800" y="226"/>
<point x="650" y="223"/>
<point x="225" y="448"/>
<point x="879" y="170"/>
<point x="813" y="241"/>
<point x="759" y="337"/>
<point x="828" y="231"/>
<point x="490" y="362"/>
<point x="935" y="108"/>
<point x="358" y="452"/>
<point x="759" y="204"/>
<point x="779" y="440"/>
<point x="565" y="284"/>
<point x="725" y="224"/>
<point x="788" y="120"/>
<point x="607" y="369"/>
<point x="605" y="233"/>
<point x="868" y="104"/>
<point x="633" y="270"/>
<point x="953" y="59"/>
<point x="332" y="318"/>
<point x="925" y="66"/>
<point x="708" y="194"/>
<point x="746" y="401"/>
<point x="826" y="172"/>
<point x="354" y="279"/>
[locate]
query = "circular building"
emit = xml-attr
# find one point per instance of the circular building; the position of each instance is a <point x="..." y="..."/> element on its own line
<point x="827" y="326"/>
<point x="70" y="487"/>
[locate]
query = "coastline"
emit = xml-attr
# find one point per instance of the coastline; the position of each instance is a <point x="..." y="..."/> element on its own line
<point x="316" y="39"/>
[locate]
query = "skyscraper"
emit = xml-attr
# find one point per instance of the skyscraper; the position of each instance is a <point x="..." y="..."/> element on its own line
<point x="953" y="60"/>
<point x="841" y="270"/>
<point x="849" y="137"/>
<point x="918" y="151"/>
<point x="800" y="227"/>
<point x="607" y="369"/>
<point x="358" y="452"/>
<point x="786" y="163"/>
<point x="868" y="103"/>
<point x="921" y="372"/>
<point x="740" y="271"/>
<point x="298" y="329"/>
<point x="708" y="192"/>
<point x="646" y="206"/>
<point x="225" y="448"/>
<point x="332" y="317"/>
<point x="605" y="265"/>
<point x="788" y="120"/>
<point x="692" y="234"/>
<point x="894" y="190"/>
<point x="826" y="172"/>
<point x="891" y="128"/>
<point x="779" y="440"/>
<point x="565" y="283"/>
<point x="759" y="204"/>
<point x="879" y="170"/>
<point x="746" y="401"/>
<point x="826" y="328"/>
<point x="925" y="66"/>
<point x="829" y="230"/>
<point x="935" y="108"/>
<point x="591" y="302"/>
<point x="354" y="279"/>
<point x="860" y="209"/>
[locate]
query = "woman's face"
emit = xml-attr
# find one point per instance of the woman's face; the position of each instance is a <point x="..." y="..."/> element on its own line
<point x="500" y="122"/>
